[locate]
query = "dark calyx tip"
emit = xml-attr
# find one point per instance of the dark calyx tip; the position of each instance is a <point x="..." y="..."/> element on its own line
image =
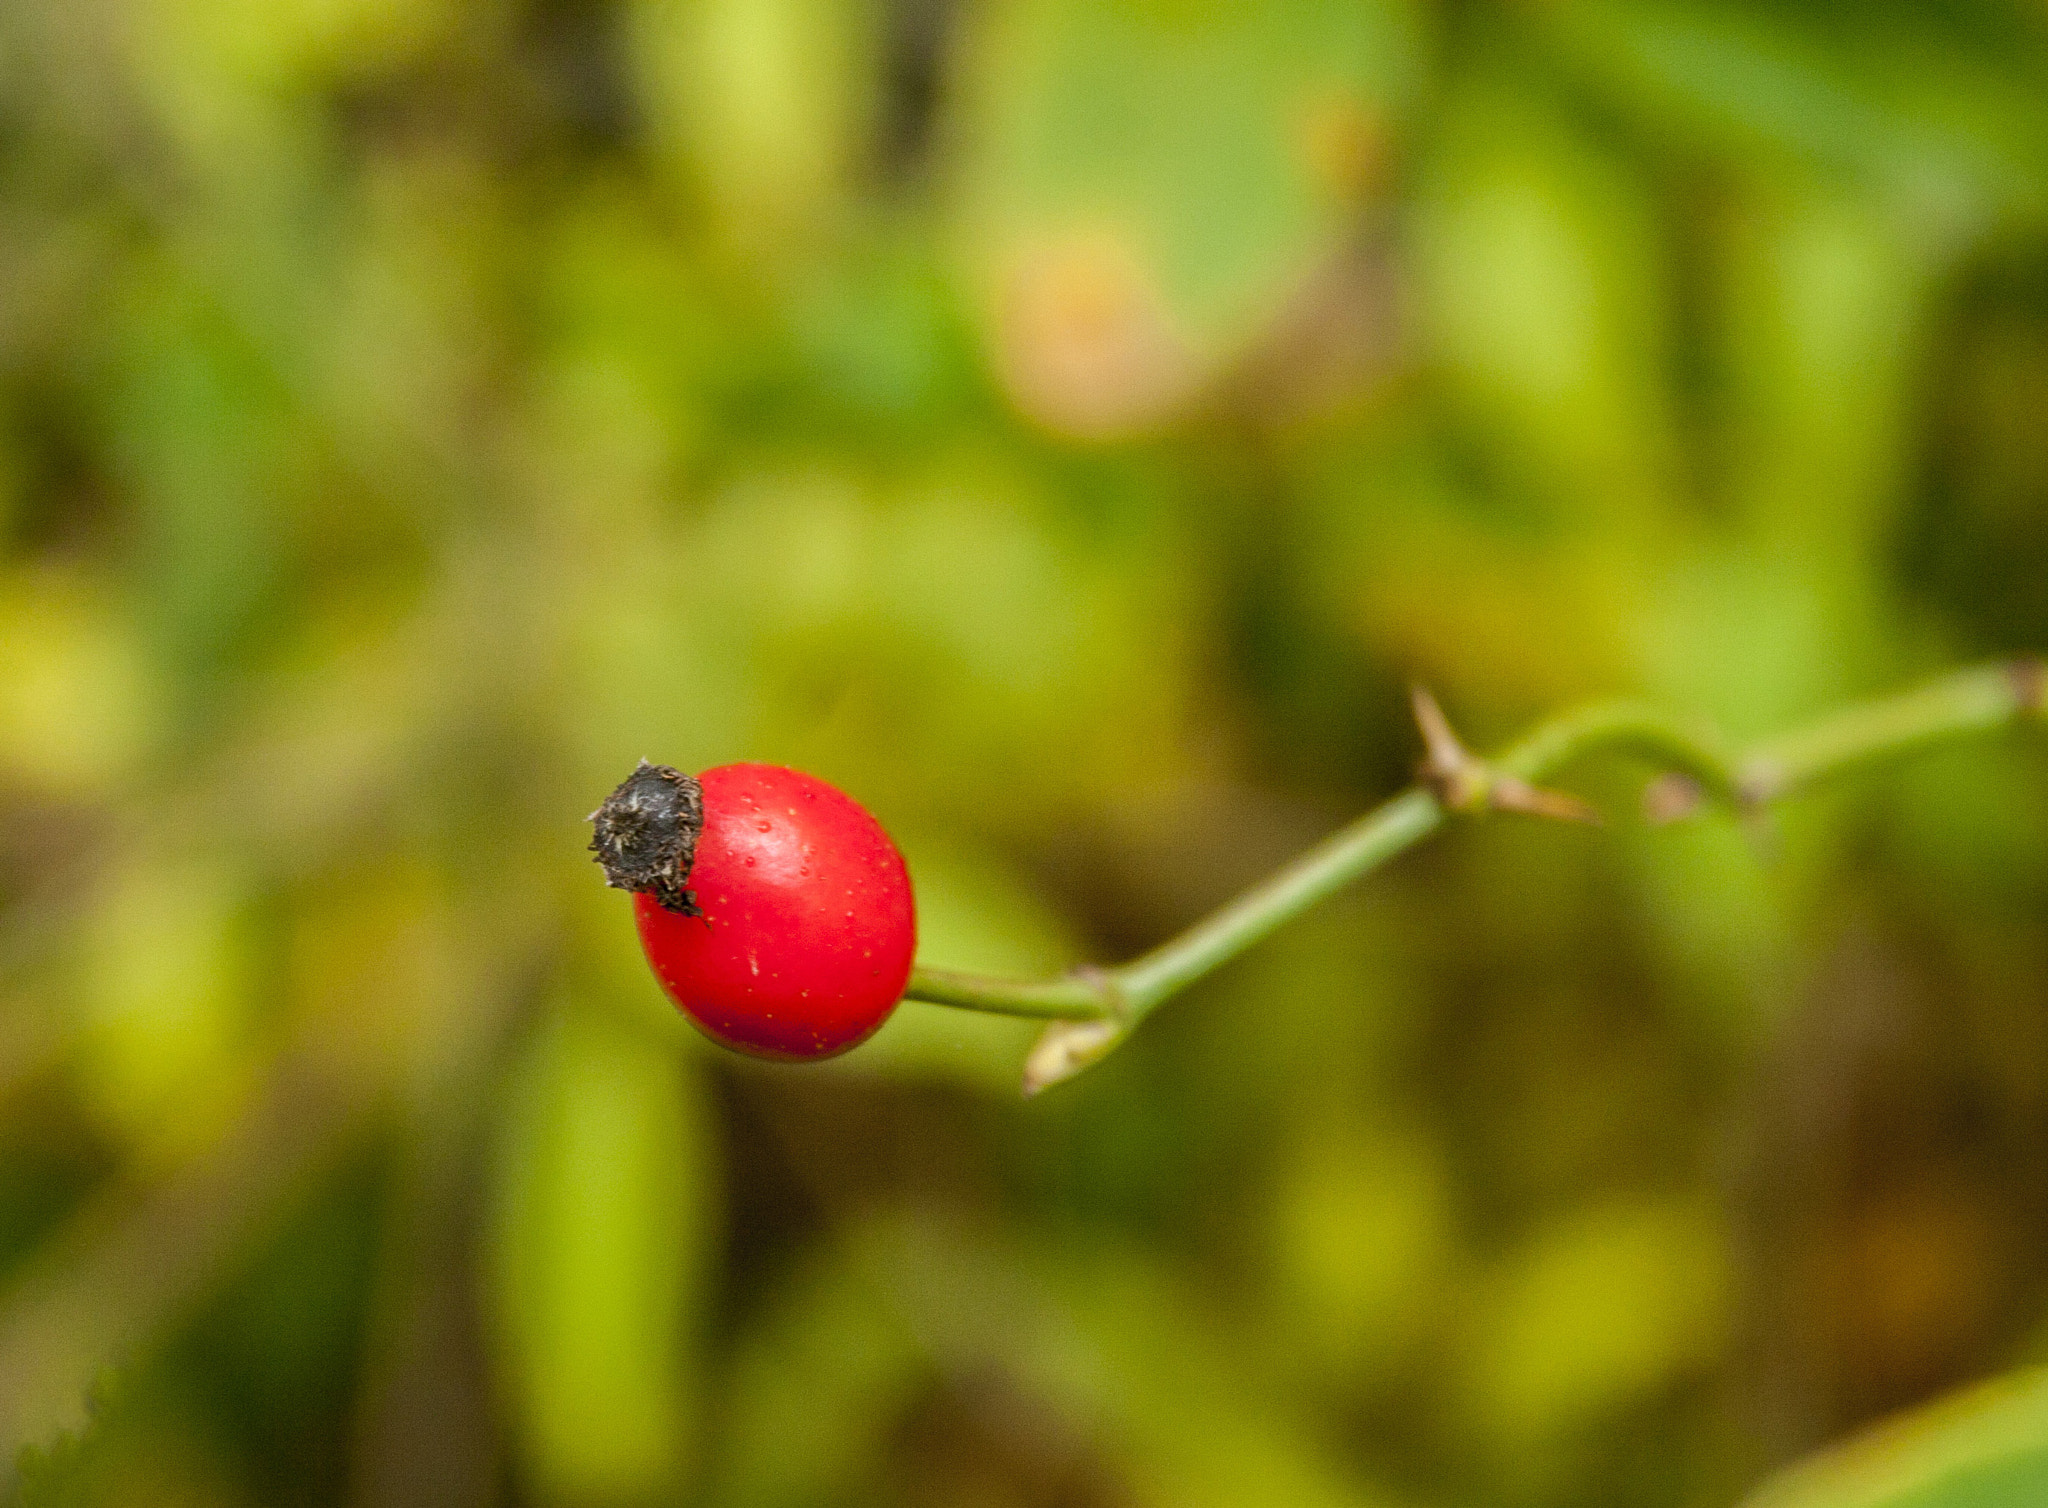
<point x="646" y="835"/>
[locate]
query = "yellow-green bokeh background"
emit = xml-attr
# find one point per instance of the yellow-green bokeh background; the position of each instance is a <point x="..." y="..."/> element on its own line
<point x="1068" y="427"/>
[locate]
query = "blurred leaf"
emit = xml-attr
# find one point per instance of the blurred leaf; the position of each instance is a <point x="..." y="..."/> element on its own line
<point x="1939" y="108"/>
<point x="1826" y="308"/>
<point x="1114" y="1350"/>
<point x="164" y="1058"/>
<point x="405" y="326"/>
<point x="770" y="102"/>
<point x="1602" y="1309"/>
<point x="274" y="47"/>
<point x="1975" y="821"/>
<point x="1540" y="292"/>
<point x="815" y="1389"/>
<point x="234" y="84"/>
<point x="602" y="1227"/>
<point x="1430" y="586"/>
<point x="1363" y="1245"/>
<point x="139" y="1455"/>
<point x="819" y="621"/>
<point x="377" y="955"/>
<point x="205" y="434"/>
<point x="1144" y="187"/>
<point x="1983" y="1448"/>
<point x="1722" y="916"/>
<point x="137" y="1254"/>
<point x="76" y="705"/>
<point x="1751" y="639"/>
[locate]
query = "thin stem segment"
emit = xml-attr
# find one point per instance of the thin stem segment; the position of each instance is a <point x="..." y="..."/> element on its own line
<point x="1080" y="996"/>
<point x="1969" y="701"/>
<point x="1092" y="1009"/>
<point x="1314" y="876"/>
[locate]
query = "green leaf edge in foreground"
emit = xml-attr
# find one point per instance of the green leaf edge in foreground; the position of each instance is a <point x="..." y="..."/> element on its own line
<point x="1983" y="1447"/>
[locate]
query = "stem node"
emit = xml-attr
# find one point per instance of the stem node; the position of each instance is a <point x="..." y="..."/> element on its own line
<point x="1463" y="782"/>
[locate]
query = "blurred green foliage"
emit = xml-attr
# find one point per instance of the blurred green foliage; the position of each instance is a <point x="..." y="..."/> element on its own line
<point x="1067" y="427"/>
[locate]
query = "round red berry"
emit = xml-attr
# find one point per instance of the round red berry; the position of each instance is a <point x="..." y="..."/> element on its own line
<point x="774" y="909"/>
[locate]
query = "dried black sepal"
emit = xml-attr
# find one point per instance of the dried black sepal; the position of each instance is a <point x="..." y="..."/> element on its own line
<point x="646" y="835"/>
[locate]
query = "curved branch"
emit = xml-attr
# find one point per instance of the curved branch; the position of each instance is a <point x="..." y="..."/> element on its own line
<point x="1095" y="1008"/>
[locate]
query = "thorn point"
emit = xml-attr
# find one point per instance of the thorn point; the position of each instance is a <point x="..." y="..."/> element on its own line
<point x="1437" y="738"/>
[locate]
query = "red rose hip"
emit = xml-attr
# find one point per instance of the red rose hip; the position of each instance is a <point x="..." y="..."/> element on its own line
<point x="774" y="910"/>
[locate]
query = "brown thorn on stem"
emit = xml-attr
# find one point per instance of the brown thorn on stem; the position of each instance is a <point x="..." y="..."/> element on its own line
<point x="1444" y="750"/>
<point x="1461" y="782"/>
<point x="1511" y="795"/>
<point x="1457" y="780"/>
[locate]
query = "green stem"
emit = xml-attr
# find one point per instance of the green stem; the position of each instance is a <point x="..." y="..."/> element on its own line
<point x="1968" y="701"/>
<point x="1651" y="735"/>
<point x="1079" y="996"/>
<point x="1292" y="889"/>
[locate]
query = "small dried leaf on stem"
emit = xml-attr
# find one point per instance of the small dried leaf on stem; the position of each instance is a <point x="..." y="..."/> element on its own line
<point x="1065" y="1048"/>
